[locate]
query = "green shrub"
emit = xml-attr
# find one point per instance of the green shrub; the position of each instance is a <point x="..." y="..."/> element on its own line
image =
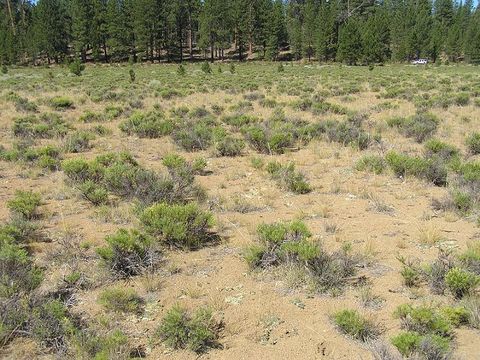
<point x="371" y="163"/>
<point x="132" y="75"/>
<point x="94" y="193"/>
<point x="229" y="146"/>
<point x="17" y="272"/>
<point x="470" y="259"/>
<point x="420" y="126"/>
<point x="424" y="320"/>
<point x="147" y="125"/>
<point x="49" y="324"/>
<point x="473" y="143"/>
<point x="461" y="282"/>
<point x="287" y="178"/>
<point x="181" y="70"/>
<point x="435" y="147"/>
<point x="462" y="99"/>
<point x="128" y="253"/>
<point x="184" y="226"/>
<point x="472" y="306"/>
<point x="25" y="204"/>
<point x="61" y="103"/>
<point x="407" y="342"/>
<point x="206" y="68"/>
<point x="45" y="127"/>
<point x="121" y="300"/>
<point x="350" y="322"/>
<point x="89" y="116"/>
<point x="76" y="67"/>
<point x="197" y="332"/>
<point x="78" y="142"/>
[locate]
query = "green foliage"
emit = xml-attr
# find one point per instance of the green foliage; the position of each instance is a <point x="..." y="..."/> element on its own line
<point x="181" y="70"/>
<point x="45" y="127"/>
<point x="473" y="143"/>
<point x="228" y="146"/>
<point x="435" y="147"/>
<point x="287" y="178"/>
<point x="407" y="342"/>
<point x="461" y="282"/>
<point x="184" y="226"/>
<point x="25" y="204"/>
<point x="147" y="125"/>
<point x="61" y="103"/>
<point x="121" y="300"/>
<point x="350" y="322"/>
<point x="206" y="68"/>
<point x="94" y="193"/>
<point x="424" y="320"/>
<point x="197" y="332"/>
<point x="17" y="272"/>
<point x="76" y="67"/>
<point x="132" y="75"/>
<point x="371" y="163"/>
<point x="78" y="142"/>
<point x="128" y="253"/>
<point x="421" y="126"/>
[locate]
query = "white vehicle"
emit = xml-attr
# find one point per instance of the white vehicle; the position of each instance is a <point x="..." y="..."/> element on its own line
<point x="419" y="62"/>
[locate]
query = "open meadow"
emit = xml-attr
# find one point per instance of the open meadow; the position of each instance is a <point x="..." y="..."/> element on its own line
<point x="240" y="211"/>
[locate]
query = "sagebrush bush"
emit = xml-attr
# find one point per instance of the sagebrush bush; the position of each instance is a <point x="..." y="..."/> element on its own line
<point x="61" y="103"/>
<point x="461" y="282"/>
<point x="45" y="126"/>
<point x="183" y="226"/>
<point x="431" y="347"/>
<point x="435" y="147"/>
<point x="371" y="163"/>
<point x="94" y="193"/>
<point x="473" y="143"/>
<point x="25" y="204"/>
<point x="148" y="125"/>
<point x="129" y="253"/>
<point x="76" y="67"/>
<point x="287" y="178"/>
<point x="18" y="274"/>
<point x="350" y="322"/>
<point x="197" y="332"/>
<point x="421" y="126"/>
<point x="78" y="141"/>
<point x="424" y="320"/>
<point x="121" y="300"/>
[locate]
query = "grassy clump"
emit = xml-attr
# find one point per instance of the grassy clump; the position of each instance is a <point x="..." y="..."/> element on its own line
<point x="128" y="253"/>
<point x="350" y="322"/>
<point x="424" y="320"/>
<point x="121" y="300"/>
<point x="25" y="204"/>
<point x="147" y="125"/>
<point x="287" y="178"/>
<point x="184" y="226"/>
<point x="47" y="157"/>
<point x="435" y="147"/>
<point x="226" y="145"/>
<point x="371" y="163"/>
<point x="197" y="332"/>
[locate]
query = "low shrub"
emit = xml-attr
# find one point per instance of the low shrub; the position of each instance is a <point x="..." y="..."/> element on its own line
<point x="371" y="163"/>
<point x="18" y="274"/>
<point x="350" y="322"/>
<point x="25" y="204"/>
<point x="197" y="332"/>
<point x="461" y="282"/>
<point x="121" y="300"/>
<point x="229" y="146"/>
<point x="129" y="253"/>
<point x="435" y="147"/>
<point x="473" y="143"/>
<point x="287" y="178"/>
<point x="94" y="193"/>
<point x="421" y="126"/>
<point x="61" y="103"/>
<point x="45" y="127"/>
<point x="76" y="67"/>
<point x="147" y="125"/>
<point x="424" y="320"/>
<point x="431" y="347"/>
<point x="78" y="142"/>
<point x="184" y="226"/>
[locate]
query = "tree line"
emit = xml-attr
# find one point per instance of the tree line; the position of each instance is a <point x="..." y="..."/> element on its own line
<point x="351" y="31"/>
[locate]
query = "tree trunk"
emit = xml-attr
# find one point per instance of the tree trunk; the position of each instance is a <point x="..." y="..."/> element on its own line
<point x="10" y="14"/>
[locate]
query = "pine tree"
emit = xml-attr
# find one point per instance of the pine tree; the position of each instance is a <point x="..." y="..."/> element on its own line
<point x="349" y="43"/>
<point x="276" y="30"/>
<point x="309" y="16"/>
<point x="294" y="28"/>
<point x="472" y="43"/>
<point x="376" y="37"/>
